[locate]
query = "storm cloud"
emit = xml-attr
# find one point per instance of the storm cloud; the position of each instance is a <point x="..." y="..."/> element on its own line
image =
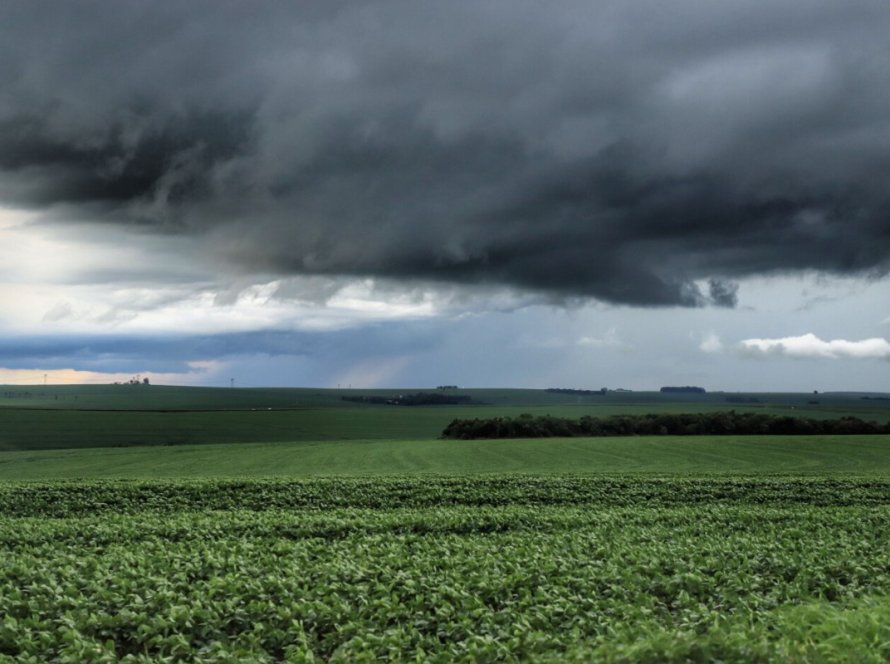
<point x="632" y="152"/>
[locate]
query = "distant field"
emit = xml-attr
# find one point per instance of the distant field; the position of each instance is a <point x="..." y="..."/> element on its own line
<point x="140" y="397"/>
<point x="124" y="415"/>
<point x="825" y="455"/>
<point x="28" y="429"/>
<point x="164" y="397"/>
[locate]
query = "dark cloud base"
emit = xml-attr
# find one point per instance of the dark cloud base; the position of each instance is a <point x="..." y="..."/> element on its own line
<point x="587" y="152"/>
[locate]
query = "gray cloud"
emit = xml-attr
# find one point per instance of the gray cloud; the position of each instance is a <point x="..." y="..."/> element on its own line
<point x="616" y="151"/>
<point x="723" y="294"/>
<point x="173" y="353"/>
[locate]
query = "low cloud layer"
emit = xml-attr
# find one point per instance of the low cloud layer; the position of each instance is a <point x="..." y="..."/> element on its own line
<point x="637" y="153"/>
<point x="811" y="346"/>
<point x="173" y="352"/>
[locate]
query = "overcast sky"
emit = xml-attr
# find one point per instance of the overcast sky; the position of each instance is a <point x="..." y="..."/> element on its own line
<point x="508" y="193"/>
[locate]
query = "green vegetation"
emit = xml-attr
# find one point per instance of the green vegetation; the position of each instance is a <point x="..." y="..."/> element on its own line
<point x="58" y="417"/>
<point x="165" y="397"/>
<point x="412" y="399"/>
<point x="618" y="569"/>
<point x="664" y="424"/>
<point x="345" y="532"/>
<point x="823" y="455"/>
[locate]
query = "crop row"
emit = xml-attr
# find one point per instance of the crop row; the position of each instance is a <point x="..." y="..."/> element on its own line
<point x="737" y="582"/>
<point x="64" y="499"/>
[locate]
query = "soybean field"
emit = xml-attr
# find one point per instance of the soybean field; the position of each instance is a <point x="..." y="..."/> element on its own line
<point x="619" y="569"/>
<point x="148" y="524"/>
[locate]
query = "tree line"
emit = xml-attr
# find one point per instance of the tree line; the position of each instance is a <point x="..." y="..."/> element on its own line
<point x="418" y="399"/>
<point x="686" y="424"/>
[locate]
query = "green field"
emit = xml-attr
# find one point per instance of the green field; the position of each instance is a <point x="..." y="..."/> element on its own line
<point x="149" y="524"/>
<point x="618" y="569"/>
<point x="125" y="415"/>
<point x="160" y="397"/>
<point x="165" y="397"/>
<point x="825" y="455"/>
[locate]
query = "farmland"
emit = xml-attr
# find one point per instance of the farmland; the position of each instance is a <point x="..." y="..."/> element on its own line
<point x="62" y="417"/>
<point x="177" y="524"/>
<point x="450" y="569"/>
<point x="724" y="455"/>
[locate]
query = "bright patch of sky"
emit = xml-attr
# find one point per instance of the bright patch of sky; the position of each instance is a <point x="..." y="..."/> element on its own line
<point x="100" y="291"/>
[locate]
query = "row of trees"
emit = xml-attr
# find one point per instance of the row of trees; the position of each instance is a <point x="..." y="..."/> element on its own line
<point x="417" y="399"/>
<point x="135" y="380"/>
<point x="690" y="424"/>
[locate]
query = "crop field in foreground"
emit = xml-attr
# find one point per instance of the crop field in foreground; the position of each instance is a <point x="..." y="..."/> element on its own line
<point x="121" y="539"/>
<point x="447" y="569"/>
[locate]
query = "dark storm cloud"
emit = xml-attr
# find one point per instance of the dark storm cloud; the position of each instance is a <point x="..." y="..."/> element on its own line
<point x="723" y="294"/>
<point x="626" y="151"/>
<point x="164" y="161"/>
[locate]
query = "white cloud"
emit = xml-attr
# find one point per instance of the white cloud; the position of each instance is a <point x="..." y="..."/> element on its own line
<point x="811" y="346"/>
<point x="81" y="280"/>
<point x="60" y="311"/>
<point x="608" y="340"/>
<point x="711" y="344"/>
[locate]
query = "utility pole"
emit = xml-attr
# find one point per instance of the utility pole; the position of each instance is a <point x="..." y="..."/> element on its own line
<point x="232" y="382"/>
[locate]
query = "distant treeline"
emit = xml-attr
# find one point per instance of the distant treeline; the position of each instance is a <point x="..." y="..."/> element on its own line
<point x="686" y="389"/>
<point x="20" y="395"/>
<point x="583" y="393"/>
<point x="692" y="424"/>
<point x="418" y="399"/>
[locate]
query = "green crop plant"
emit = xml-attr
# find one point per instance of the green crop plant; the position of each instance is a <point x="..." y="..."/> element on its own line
<point x="502" y="568"/>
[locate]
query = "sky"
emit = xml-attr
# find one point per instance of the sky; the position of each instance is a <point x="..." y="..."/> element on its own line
<point x="623" y="194"/>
